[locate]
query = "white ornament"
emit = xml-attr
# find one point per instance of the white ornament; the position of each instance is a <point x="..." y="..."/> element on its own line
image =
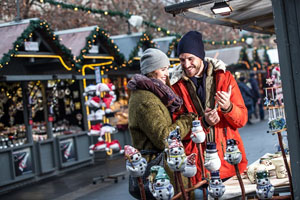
<point x="264" y="189"/>
<point x="216" y="188"/>
<point x="233" y="155"/>
<point x="190" y="169"/>
<point x="176" y="156"/>
<point x="135" y="163"/>
<point x="162" y="188"/>
<point x="212" y="161"/>
<point x="197" y="135"/>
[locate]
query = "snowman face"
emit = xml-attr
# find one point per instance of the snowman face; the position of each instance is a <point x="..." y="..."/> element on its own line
<point x="231" y="148"/>
<point x="162" y="182"/>
<point x="216" y="181"/>
<point x="176" y="151"/>
<point x="136" y="157"/>
<point x="263" y="181"/>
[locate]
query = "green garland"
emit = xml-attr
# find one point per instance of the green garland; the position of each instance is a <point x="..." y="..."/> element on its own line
<point x="144" y="41"/>
<point x="111" y="47"/>
<point x="256" y="58"/>
<point x="147" y="23"/>
<point x="172" y="45"/>
<point x="36" y="25"/>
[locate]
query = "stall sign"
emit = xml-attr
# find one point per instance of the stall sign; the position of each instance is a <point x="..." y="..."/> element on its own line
<point x="31" y="46"/>
<point x="67" y="150"/>
<point x="22" y="162"/>
<point x="94" y="49"/>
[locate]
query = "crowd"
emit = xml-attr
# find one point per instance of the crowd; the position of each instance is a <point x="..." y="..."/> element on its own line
<point x="252" y="97"/>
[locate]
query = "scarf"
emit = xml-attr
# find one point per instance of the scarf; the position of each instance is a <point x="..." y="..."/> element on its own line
<point x="200" y="85"/>
<point x="161" y="90"/>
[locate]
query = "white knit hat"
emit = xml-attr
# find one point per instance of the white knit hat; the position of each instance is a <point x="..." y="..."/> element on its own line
<point x="153" y="59"/>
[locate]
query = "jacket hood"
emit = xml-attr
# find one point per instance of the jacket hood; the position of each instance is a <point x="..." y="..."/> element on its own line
<point x="177" y="72"/>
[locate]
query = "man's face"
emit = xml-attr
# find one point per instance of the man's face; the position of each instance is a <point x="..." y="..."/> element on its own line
<point x="191" y="64"/>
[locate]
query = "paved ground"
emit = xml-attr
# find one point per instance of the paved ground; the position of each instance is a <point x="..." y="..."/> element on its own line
<point x="78" y="184"/>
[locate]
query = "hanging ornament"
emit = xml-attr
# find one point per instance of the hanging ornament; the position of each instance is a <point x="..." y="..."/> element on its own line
<point x="264" y="189"/>
<point x="233" y="155"/>
<point x="190" y="169"/>
<point x="197" y="135"/>
<point x="212" y="161"/>
<point x="135" y="163"/>
<point x="216" y="189"/>
<point x="162" y="188"/>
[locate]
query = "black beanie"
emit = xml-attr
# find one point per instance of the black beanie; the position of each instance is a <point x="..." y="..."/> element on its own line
<point x="192" y="43"/>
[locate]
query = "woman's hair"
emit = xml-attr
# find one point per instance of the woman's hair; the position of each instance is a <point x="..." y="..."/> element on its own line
<point x="153" y="75"/>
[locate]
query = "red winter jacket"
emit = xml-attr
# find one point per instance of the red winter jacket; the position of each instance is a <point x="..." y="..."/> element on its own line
<point x="229" y="123"/>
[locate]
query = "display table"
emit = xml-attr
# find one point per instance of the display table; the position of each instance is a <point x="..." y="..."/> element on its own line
<point x="233" y="189"/>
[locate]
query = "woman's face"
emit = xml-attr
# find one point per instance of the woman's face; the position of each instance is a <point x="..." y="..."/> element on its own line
<point x="162" y="74"/>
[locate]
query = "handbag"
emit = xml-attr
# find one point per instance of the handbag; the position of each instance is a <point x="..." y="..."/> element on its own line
<point x="134" y="189"/>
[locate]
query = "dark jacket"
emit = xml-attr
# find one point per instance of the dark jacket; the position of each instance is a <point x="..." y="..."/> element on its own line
<point x="246" y="93"/>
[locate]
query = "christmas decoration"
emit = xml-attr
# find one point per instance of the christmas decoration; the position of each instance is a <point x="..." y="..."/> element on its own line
<point x="176" y="156"/>
<point x="135" y="163"/>
<point x="233" y="154"/>
<point x="190" y="169"/>
<point x="162" y="189"/>
<point x="216" y="189"/>
<point x="212" y="161"/>
<point x="197" y="135"/>
<point x="264" y="189"/>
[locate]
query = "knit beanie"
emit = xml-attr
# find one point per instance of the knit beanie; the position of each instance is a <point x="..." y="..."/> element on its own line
<point x="153" y="59"/>
<point x="192" y="43"/>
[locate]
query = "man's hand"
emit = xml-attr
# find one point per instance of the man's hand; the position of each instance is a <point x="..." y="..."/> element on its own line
<point x="211" y="116"/>
<point x="223" y="98"/>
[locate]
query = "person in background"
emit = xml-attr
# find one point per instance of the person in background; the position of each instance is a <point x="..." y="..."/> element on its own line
<point x="256" y="96"/>
<point x="151" y="104"/>
<point x="212" y="92"/>
<point x="247" y="96"/>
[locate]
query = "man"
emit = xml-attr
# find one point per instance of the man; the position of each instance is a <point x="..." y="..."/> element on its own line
<point x="256" y="96"/>
<point x="203" y="85"/>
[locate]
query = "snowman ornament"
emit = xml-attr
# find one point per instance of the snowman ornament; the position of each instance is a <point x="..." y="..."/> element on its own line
<point x="233" y="154"/>
<point x="162" y="188"/>
<point x="176" y="156"/>
<point x="190" y="169"/>
<point x="264" y="189"/>
<point x="174" y="135"/>
<point x="212" y="161"/>
<point x="197" y="135"/>
<point x="135" y="163"/>
<point x="216" y="189"/>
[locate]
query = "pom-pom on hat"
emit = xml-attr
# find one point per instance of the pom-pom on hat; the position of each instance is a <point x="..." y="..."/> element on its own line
<point x="192" y="43"/>
<point x="153" y="59"/>
<point x="129" y="150"/>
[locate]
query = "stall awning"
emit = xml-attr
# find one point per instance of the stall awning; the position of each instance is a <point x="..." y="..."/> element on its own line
<point x="251" y="15"/>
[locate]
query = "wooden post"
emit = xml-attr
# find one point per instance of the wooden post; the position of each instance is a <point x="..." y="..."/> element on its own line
<point x="202" y="169"/>
<point x="237" y="171"/>
<point x="286" y="163"/>
<point x="179" y="178"/>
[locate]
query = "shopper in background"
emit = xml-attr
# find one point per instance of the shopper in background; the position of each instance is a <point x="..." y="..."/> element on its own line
<point x="247" y="96"/>
<point x="256" y="96"/>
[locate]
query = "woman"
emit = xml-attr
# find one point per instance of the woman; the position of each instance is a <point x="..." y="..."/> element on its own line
<point x="151" y="103"/>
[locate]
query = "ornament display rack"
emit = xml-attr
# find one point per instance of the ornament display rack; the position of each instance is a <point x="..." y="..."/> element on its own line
<point x="273" y="103"/>
<point x="109" y="153"/>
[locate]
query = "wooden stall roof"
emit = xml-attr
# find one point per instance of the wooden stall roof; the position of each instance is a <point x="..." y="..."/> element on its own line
<point x="251" y="15"/>
<point x="10" y="32"/>
<point x="75" y="39"/>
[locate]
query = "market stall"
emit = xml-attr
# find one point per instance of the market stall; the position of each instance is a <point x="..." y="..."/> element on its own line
<point x="42" y="126"/>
